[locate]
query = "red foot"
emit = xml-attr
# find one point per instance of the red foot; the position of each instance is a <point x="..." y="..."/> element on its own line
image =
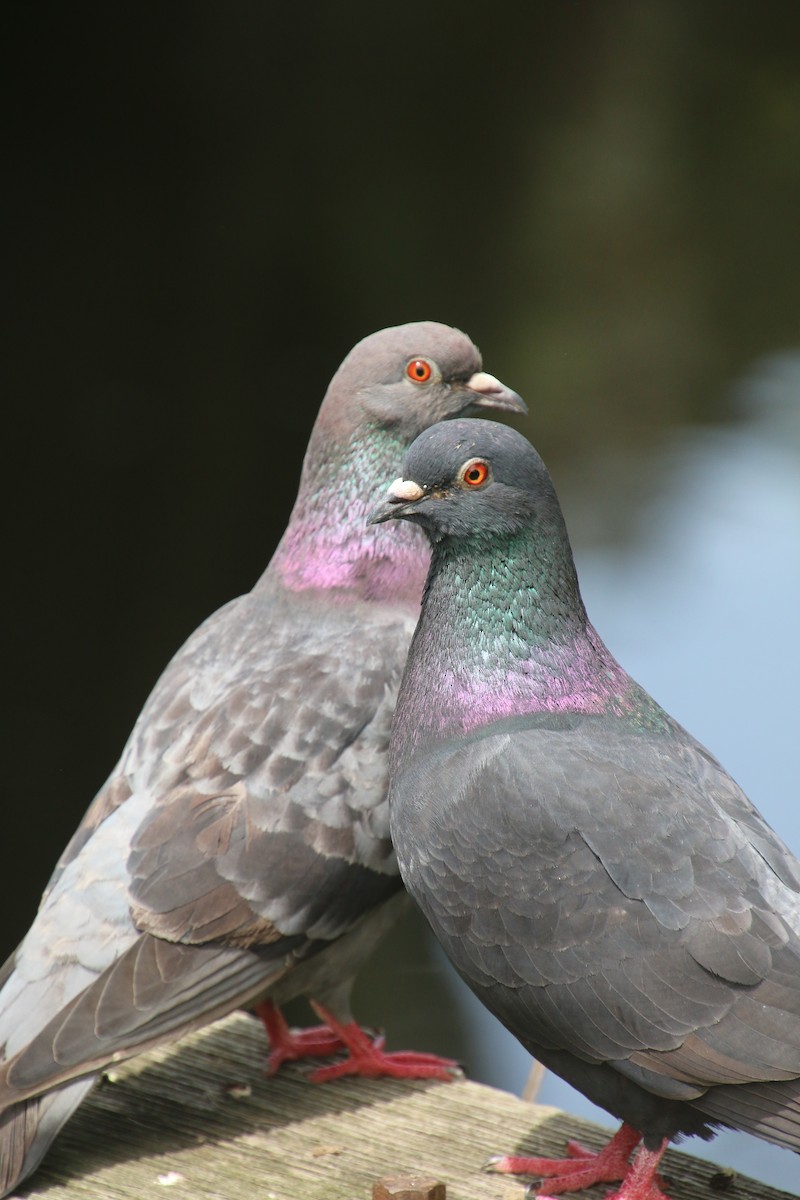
<point x="285" y="1046"/>
<point x="367" y="1057"/>
<point x="641" y="1182"/>
<point x="583" y="1168"/>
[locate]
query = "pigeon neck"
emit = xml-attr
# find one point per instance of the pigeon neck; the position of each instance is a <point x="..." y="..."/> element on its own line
<point x="328" y="544"/>
<point x="503" y="632"/>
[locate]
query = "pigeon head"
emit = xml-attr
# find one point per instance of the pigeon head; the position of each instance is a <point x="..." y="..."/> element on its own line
<point x="470" y="478"/>
<point x="390" y="387"/>
<point x="408" y="377"/>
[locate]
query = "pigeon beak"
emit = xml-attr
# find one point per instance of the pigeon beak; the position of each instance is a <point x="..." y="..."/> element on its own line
<point x="400" y="499"/>
<point x="491" y="393"/>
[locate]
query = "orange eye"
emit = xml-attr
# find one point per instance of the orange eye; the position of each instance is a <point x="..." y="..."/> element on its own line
<point x="419" y="369"/>
<point x="475" y="473"/>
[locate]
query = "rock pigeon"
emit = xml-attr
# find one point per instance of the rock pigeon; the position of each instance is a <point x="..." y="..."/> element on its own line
<point x="594" y="874"/>
<point x="240" y="851"/>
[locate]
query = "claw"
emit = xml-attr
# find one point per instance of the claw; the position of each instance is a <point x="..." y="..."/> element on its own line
<point x="367" y="1057"/>
<point x="583" y="1168"/>
<point x="287" y="1045"/>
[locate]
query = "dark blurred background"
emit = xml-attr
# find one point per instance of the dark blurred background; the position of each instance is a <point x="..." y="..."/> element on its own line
<point x="209" y="203"/>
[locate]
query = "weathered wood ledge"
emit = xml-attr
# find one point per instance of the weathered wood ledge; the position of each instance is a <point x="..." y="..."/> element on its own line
<point x="199" y="1119"/>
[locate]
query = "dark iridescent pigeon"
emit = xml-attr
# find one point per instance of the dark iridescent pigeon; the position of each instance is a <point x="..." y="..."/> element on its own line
<point x="240" y="849"/>
<point x="593" y="873"/>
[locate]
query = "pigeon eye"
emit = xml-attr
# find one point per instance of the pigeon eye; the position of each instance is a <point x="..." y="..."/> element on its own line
<point x="419" y="370"/>
<point x="475" y="472"/>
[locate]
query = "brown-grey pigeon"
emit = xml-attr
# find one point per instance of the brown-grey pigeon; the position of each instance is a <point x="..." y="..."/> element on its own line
<point x="596" y="877"/>
<point x="240" y="848"/>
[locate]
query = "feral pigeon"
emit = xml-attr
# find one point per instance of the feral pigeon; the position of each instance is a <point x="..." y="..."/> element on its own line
<point x="595" y="875"/>
<point x="240" y="850"/>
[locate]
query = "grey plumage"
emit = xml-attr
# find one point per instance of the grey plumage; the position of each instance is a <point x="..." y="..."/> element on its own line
<point x="240" y="848"/>
<point x="594" y="874"/>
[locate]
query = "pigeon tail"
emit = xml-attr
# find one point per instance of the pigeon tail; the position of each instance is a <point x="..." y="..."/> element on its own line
<point x="27" y="1130"/>
<point x="769" y="1110"/>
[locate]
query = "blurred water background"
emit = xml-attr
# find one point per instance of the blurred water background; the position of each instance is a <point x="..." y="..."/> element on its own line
<point x="208" y="204"/>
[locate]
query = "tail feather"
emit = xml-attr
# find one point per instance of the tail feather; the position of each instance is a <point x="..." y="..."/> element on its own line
<point x="27" y="1129"/>
<point x="767" y="1110"/>
<point x="154" y="991"/>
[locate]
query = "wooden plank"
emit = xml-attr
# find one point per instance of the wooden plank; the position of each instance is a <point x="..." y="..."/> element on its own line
<point x="199" y="1119"/>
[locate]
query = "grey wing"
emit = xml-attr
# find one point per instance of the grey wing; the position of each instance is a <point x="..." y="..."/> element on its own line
<point x="594" y="888"/>
<point x="272" y="820"/>
<point x="250" y="805"/>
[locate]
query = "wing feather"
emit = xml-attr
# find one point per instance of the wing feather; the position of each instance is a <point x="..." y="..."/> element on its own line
<point x="611" y="895"/>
